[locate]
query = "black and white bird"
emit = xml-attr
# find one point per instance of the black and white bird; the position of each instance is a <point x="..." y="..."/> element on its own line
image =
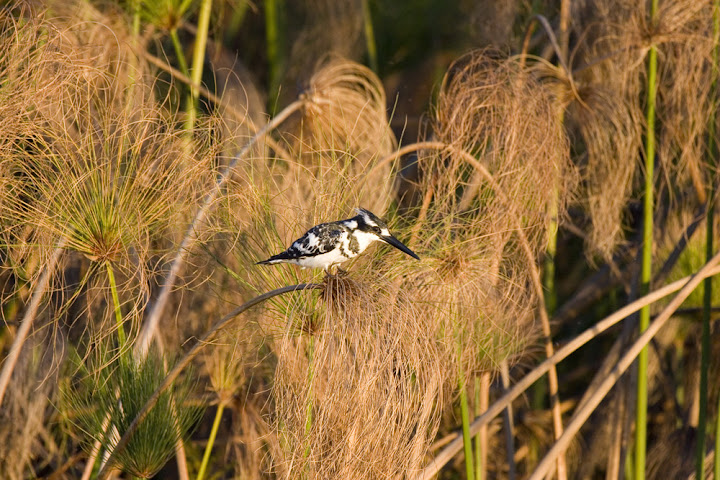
<point x="333" y="243"/>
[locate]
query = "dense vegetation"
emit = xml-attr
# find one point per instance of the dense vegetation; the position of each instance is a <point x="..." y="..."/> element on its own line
<point x="553" y="163"/>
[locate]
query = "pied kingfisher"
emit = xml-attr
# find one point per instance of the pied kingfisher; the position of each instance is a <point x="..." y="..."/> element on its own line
<point x="332" y="243"/>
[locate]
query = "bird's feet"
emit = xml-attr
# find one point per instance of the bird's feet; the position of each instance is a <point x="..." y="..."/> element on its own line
<point x="339" y="272"/>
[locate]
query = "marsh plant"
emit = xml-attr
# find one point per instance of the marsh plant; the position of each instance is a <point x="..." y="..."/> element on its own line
<point x="107" y="394"/>
<point x="142" y="178"/>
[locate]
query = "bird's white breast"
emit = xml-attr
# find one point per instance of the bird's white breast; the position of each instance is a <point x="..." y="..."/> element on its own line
<point x="323" y="260"/>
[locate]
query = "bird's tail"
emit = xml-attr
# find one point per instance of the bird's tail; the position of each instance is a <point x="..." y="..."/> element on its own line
<point x="274" y="259"/>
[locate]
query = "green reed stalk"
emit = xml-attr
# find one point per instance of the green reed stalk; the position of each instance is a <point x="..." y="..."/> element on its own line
<point x="370" y="36"/>
<point x="179" y="53"/>
<point x="646" y="272"/>
<point x="236" y="21"/>
<point x="272" y="38"/>
<point x="198" y="61"/>
<point x="465" y="414"/>
<point x="707" y="283"/>
<point x="467" y="439"/>
<point x="478" y="446"/>
<point x="211" y="441"/>
<point x="309" y="406"/>
<point x="116" y="304"/>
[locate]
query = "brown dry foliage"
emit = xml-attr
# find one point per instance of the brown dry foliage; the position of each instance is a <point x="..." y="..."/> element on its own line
<point x="360" y="397"/>
<point x="477" y="274"/>
<point x="609" y="113"/>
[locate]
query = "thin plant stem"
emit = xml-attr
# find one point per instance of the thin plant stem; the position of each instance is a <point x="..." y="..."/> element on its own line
<point x="464" y="407"/>
<point x="549" y="264"/>
<point x="480" y="405"/>
<point x="707" y="283"/>
<point x="564" y="39"/>
<point x="95" y="451"/>
<point x="467" y="439"/>
<point x="370" y="36"/>
<point x="309" y="405"/>
<point x="182" y="62"/>
<point x="201" y="38"/>
<point x="185" y="361"/>
<point x="179" y="53"/>
<point x="646" y="269"/>
<point x="272" y="39"/>
<point x="28" y="318"/>
<point x="116" y="305"/>
<point x="211" y="441"/>
<point x="508" y="423"/>
<point x="526" y="381"/>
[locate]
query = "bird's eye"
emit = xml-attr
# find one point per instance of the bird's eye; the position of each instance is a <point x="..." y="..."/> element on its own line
<point x="377" y="230"/>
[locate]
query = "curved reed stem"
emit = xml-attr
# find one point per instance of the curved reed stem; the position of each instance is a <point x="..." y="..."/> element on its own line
<point x="530" y="257"/>
<point x="189" y="356"/>
<point x="153" y="316"/>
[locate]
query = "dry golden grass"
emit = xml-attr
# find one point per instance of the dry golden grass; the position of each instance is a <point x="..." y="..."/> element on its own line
<point x="359" y="396"/>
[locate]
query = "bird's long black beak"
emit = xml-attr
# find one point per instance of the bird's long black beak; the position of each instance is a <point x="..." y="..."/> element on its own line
<point x="389" y="239"/>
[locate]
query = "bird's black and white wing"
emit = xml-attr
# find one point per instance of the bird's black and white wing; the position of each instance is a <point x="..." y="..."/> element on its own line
<point x="316" y="241"/>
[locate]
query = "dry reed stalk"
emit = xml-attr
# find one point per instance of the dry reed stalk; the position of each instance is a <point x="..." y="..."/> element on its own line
<point x="39" y="291"/>
<point x="526" y="381"/>
<point x="581" y="415"/>
<point x="152" y="319"/>
<point x="24" y="431"/>
<point x="493" y="110"/>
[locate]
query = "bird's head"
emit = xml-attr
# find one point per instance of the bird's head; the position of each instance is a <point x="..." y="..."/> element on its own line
<point x="371" y="225"/>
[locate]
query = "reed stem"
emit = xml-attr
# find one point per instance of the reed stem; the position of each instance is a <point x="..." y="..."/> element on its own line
<point x="196" y="72"/>
<point x="116" y="305"/>
<point x="707" y="283"/>
<point x="467" y="438"/>
<point x="646" y="269"/>
<point x="478" y="441"/>
<point x="272" y="39"/>
<point x="370" y="36"/>
<point x="211" y="441"/>
<point x="179" y="53"/>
